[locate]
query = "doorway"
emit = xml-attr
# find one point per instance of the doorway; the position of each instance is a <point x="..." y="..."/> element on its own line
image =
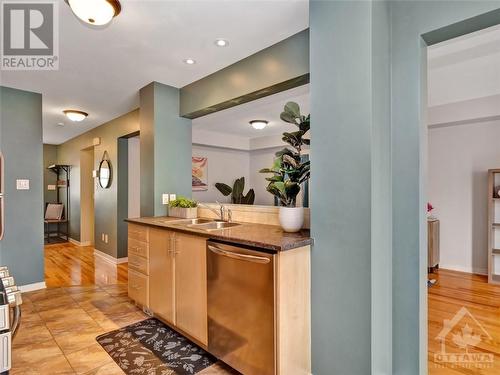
<point x="87" y="186"/>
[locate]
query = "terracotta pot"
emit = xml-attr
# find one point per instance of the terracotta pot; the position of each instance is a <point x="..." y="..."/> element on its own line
<point x="291" y="218"/>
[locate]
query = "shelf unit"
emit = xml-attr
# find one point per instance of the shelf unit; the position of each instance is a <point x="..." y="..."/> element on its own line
<point x="493" y="226"/>
<point x="62" y="172"/>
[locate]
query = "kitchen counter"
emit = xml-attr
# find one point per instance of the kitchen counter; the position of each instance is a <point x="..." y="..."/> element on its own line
<point x="270" y="237"/>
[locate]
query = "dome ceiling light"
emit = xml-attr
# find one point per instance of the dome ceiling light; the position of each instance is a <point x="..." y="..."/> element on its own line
<point x="95" y="12"/>
<point x="259" y="124"/>
<point x="75" y="115"/>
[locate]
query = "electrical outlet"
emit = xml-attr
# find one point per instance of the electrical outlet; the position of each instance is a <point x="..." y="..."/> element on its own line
<point x="164" y="199"/>
<point x="106" y="238"/>
<point x="102" y="237"/>
<point x="172" y="197"/>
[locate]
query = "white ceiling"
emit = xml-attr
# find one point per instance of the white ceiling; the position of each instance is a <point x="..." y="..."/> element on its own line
<point x="465" y="68"/>
<point x="235" y="120"/>
<point x="101" y="70"/>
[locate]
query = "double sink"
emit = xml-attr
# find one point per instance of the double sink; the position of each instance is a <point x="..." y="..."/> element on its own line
<point x="201" y="224"/>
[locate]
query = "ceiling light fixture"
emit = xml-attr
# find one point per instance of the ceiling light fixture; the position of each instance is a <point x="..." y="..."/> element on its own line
<point x="221" y="43"/>
<point x="95" y="12"/>
<point x="259" y="124"/>
<point x="75" y="115"/>
<point x="189" y="61"/>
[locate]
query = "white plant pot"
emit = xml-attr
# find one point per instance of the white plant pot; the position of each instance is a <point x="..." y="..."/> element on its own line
<point x="291" y="218"/>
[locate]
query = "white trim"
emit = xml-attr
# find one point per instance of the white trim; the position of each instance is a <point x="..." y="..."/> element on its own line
<point x="32" y="287"/>
<point x="109" y="258"/>
<point x="78" y="243"/>
<point x="474" y="270"/>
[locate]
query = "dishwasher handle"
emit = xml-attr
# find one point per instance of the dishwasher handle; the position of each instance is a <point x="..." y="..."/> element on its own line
<point x="244" y="257"/>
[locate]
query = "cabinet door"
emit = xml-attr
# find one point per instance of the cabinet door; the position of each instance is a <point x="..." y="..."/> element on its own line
<point x="161" y="274"/>
<point x="191" y="286"/>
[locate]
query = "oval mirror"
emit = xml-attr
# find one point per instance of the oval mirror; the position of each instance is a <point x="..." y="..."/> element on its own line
<point x="105" y="174"/>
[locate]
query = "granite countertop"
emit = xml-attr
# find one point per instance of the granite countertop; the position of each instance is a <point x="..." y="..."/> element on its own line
<point x="269" y="237"/>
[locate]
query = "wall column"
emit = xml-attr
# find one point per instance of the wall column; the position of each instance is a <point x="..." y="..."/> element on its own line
<point x="165" y="147"/>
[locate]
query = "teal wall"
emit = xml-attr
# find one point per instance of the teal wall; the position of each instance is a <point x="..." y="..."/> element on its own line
<point x="370" y="136"/>
<point x="165" y="147"/>
<point x="409" y="21"/>
<point x="341" y="112"/>
<point x="21" y="144"/>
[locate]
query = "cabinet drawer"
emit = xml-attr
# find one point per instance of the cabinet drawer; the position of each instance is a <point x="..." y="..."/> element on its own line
<point x="138" y="287"/>
<point x="138" y="232"/>
<point x="138" y="248"/>
<point x="138" y="263"/>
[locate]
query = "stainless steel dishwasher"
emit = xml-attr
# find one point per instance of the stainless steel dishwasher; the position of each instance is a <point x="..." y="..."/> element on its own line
<point x="241" y="316"/>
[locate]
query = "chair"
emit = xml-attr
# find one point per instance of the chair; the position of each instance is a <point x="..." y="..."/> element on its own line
<point x="54" y="213"/>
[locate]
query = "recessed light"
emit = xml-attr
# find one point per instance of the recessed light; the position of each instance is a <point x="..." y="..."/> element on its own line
<point x="95" y="12"/>
<point x="60" y="124"/>
<point x="221" y="43"/>
<point x="75" y="115"/>
<point x="259" y="124"/>
<point x="190" y="61"/>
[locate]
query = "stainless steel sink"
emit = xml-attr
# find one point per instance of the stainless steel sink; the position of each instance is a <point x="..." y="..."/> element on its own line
<point x="214" y="225"/>
<point x="184" y="221"/>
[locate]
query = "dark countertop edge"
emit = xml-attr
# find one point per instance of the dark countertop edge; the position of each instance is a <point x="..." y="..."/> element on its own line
<point x="211" y="235"/>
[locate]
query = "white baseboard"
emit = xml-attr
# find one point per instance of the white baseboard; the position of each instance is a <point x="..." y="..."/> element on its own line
<point x="78" y="243"/>
<point x="475" y="270"/>
<point x="109" y="258"/>
<point x="32" y="287"/>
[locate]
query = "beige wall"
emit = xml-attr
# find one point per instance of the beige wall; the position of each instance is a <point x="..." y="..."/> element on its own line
<point x="105" y="200"/>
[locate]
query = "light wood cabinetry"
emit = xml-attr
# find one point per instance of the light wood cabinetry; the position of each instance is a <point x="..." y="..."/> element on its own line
<point x="138" y="266"/>
<point x="168" y="274"/>
<point x="191" y="285"/>
<point x="161" y="274"/>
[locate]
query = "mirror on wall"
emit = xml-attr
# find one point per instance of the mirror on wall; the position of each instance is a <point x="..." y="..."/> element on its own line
<point x="104" y="173"/>
<point x="230" y="147"/>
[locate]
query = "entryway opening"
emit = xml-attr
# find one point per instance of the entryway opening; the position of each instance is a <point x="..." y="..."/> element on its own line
<point x="462" y="135"/>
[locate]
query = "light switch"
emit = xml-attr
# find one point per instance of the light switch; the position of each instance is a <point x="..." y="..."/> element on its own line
<point x="51" y="187"/>
<point x="106" y="238"/>
<point x="173" y="197"/>
<point x="22" y="184"/>
<point x="164" y="199"/>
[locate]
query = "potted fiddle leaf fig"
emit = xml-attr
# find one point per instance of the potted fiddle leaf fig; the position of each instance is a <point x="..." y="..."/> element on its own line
<point x="289" y="171"/>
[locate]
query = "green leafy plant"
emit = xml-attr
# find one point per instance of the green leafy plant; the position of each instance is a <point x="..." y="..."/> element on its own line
<point x="236" y="192"/>
<point x="289" y="171"/>
<point x="183" y="202"/>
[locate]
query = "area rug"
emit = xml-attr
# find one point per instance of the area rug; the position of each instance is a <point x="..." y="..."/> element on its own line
<point x="152" y="348"/>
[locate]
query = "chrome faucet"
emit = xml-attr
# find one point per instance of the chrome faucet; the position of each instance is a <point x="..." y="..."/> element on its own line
<point x="221" y="212"/>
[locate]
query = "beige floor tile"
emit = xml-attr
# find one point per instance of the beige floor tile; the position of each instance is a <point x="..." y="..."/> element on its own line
<point x="72" y="324"/>
<point x="70" y="342"/>
<point x="40" y="358"/>
<point x="53" y="366"/>
<point x="79" y="289"/>
<point x="44" y="294"/>
<point x="30" y="317"/>
<point x="88" y="359"/>
<point x="90" y="295"/>
<point x="116" y="290"/>
<point x="109" y="369"/>
<point x="219" y="368"/>
<point x="54" y="303"/>
<point x="31" y="333"/>
<point x="62" y="314"/>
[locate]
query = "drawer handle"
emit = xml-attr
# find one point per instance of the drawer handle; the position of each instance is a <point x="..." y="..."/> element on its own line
<point x="136" y="287"/>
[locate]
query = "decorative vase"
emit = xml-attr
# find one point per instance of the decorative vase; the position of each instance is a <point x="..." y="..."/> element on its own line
<point x="291" y="218"/>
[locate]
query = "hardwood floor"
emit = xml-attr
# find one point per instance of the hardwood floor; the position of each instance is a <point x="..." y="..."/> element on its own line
<point x="67" y="265"/>
<point x="85" y="297"/>
<point x="454" y="291"/>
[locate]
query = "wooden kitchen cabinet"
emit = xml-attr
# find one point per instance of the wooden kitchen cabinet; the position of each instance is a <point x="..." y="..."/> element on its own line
<point x="191" y="286"/>
<point x="161" y="274"/>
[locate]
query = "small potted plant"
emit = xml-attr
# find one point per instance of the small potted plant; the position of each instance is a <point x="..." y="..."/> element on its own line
<point x="289" y="171"/>
<point x="184" y="208"/>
